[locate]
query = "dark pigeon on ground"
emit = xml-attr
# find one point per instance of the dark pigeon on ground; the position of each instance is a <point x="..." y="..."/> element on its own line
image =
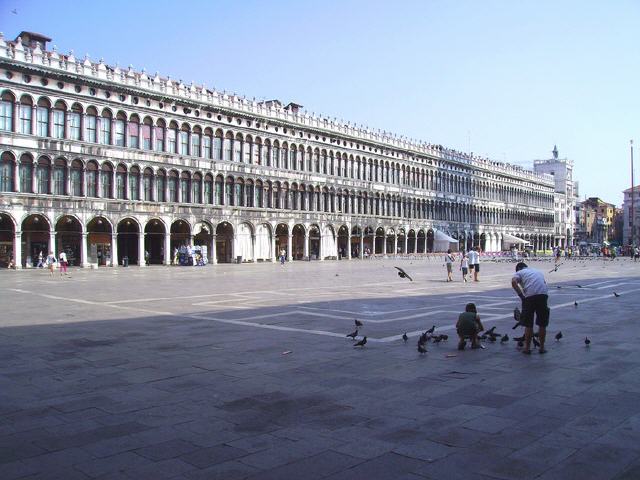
<point x="353" y="334"/>
<point x="421" y="348"/>
<point x="536" y="343"/>
<point x="361" y="343"/>
<point x="575" y="304"/>
<point x="358" y="323"/>
<point x="587" y="342"/>
<point x="521" y="344"/>
<point x="616" y="294"/>
<point x="558" y="336"/>
<point x="403" y="274"/>
<point x="431" y="330"/>
<point x="404" y="337"/>
<point x="518" y="339"/>
<point x="505" y="338"/>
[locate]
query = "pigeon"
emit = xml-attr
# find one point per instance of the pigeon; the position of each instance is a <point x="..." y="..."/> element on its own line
<point x="536" y="343"/>
<point x="616" y="294"/>
<point x="431" y="330"/>
<point x="490" y="331"/>
<point x="358" y="323"/>
<point x="516" y="325"/>
<point x="361" y="343"/>
<point x="423" y="338"/>
<point x="353" y="335"/>
<point x="492" y="338"/>
<point x="575" y="304"/>
<point x="579" y="286"/>
<point x="444" y="337"/>
<point x="587" y="342"/>
<point x="421" y="348"/>
<point x="521" y="344"/>
<point x="516" y="314"/>
<point x="437" y="339"/>
<point x="404" y="337"/>
<point x="505" y="338"/>
<point x="558" y="336"/>
<point x="403" y="274"/>
<point x="519" y="339"/>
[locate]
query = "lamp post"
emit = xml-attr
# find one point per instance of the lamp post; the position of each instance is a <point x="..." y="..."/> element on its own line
<point x="631" y="212"/>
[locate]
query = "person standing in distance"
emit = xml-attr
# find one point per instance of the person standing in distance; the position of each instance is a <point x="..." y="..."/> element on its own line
<point x="531" y="287"/>
<point x="474" y="262"/>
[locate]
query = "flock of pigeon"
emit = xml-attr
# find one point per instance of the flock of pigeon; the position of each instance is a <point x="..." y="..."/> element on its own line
<point x="490" y="335"/>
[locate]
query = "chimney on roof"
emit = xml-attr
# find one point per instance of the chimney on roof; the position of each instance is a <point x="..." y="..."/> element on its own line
<point x="32" y="39"/>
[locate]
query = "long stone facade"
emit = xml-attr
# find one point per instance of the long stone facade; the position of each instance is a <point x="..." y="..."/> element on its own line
<point x="106" y="163"/>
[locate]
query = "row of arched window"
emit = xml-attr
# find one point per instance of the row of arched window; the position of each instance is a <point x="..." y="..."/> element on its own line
<point x="117" y="181"/>
<point x="56" y="120"/>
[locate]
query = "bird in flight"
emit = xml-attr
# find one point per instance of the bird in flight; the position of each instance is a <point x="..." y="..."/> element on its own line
<point x="353" y="334"/>
<point x="615" y="294"/>
<point x="403" y="274"/>
<point x="361" y="343"/>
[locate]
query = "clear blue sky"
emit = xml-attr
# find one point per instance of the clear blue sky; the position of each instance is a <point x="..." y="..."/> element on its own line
<point x="509" y="79"/>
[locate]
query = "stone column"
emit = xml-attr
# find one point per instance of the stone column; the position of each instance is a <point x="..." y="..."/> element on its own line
<point x="384" y="244"/>
<point x="17" y="249"/>
<point x="361" y="252"/>
<point x="34" y="119"/>
<point x="415" y="243"/>
<point x="406" y="243"/>
<point x="214" y="253"/>
<point x="349" y="244"/>
<point x="52" y="244"/>
<point x="114" y="249"/>
<point x="34" y="177"/>
<point x="395" y="244"/>
<point x="274" y="253"/>
<point x="141" y="250"/>
<point x="290" y="247"/>
<point x="84" y="254"/>
<point x="67" y="180"/>
<point x="167" y="249"/>
<point x="16" y="117"/>
<point x="305" y="250"/>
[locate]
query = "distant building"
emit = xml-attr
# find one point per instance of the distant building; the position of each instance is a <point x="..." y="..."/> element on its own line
<point x="626" y="212"/>
<point x="595" y="221"/>
<point x="565" y="198"/>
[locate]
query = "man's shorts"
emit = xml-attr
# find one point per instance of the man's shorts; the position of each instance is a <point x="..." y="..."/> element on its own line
<point x="536" y="304"/>
<point x="449" y="267"/>
<point x="476" y="267"/>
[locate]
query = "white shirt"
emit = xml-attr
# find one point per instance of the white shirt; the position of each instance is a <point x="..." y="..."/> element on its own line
<point x="464" y="263"/>
<point x="63" y="257"/>
<point x="474" y="258"/>
<point x="531" y="281"/>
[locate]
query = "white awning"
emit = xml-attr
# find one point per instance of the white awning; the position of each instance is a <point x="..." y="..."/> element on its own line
<point x="507" y="238"/>
<point x="443" y="237"/>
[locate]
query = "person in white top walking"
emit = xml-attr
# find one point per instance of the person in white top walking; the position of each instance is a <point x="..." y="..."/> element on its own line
<point x="464" y="266"/>
<point x="448" y="260"/>
<point x="474" y="262"/>
<point x="63" y="263"/>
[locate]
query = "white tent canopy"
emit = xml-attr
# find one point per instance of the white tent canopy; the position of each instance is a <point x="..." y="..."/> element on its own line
<point x="443" y="242"/>
<point x="511" y="239"/>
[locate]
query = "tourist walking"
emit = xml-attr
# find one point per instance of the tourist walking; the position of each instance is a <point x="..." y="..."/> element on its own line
<point x="40" y="260"/>
<point x="283" y="256"/>
<point x="448" y="260"/>
<point x="464" y="266"/>
<point x="51" y="263"/>
<point x="531" y="287"/>
<point x="63" y="263"/>
<point x="474" y="262"/>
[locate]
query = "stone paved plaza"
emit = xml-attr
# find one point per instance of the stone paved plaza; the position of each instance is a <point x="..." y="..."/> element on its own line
<point x="244" y="371"/>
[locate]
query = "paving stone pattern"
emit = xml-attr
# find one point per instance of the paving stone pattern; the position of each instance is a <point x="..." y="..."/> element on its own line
<point x="244" y="371"/>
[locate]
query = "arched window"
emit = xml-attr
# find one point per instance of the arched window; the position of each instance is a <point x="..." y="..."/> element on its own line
<point x="59" y="177"/>
<point x="147" y="185"/>
<point x="207" y="143"/>
<point x="106" y="183"/>
<point x="248" y="148"/>
<point x="250" y="194"/>
<point x="161" y="182"/>
<point x="208" y="189"/>
<point x="185" y="187"/>
<point x="92" y="179"/>
<point x="228" y="145"/>
<point x="121" y="121"/>
<point x="259" y="194"/>
<point x="6" y="172"/>
<point x="195" y="142"/>
<point x="76" y="178"/>
<point x="145" y="133"/>
<point x="26" y="109"/>
<point x="59" y="111"/>
<point x="121" y="182"/>
<point x="91" y="125"/>
<point x="228" y="191"/>
<point x="196" y="188"/>
<point x="172" y="137"/>
<point x="275" y="154"/>
<point x="75" y="124"/>
<point x="105" y="128"/>
<point x="159" y="135"/>
<point x="43" y="174"/>
<point x="265" y="154"/>
<point x="26" y="174"/>
<point x="256" y="153"/>
<point x="219" y="192"/>
<point x="237" y="149"/>
<point x="184" y="140"/>
<point x="239" y="192"/>
<point x="42" y="117"/>
<point x="173" y="186"/>
<point x="134" y="131"/>
<point x="6" y="112"/>
<point x="217" y="145"/>
<point x="134" y="183"/>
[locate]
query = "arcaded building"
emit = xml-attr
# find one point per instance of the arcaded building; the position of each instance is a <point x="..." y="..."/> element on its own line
<point x="106" y="163"/>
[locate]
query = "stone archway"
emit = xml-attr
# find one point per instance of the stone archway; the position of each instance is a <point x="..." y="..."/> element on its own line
<point x="100" y="242"/>
<point x="7" y="237"/>
<point x="430" y="240"/>
<point x="282" y="239"/>
<point x="154" y="235"/>
<point x="343" y="241"/>
<point x="36" y="238"/>
<point x="204" y="240"/>
<point x="224" y="242"/>
<point x="379" y="241"/>
<point x="297" y="242"/>
<point x="69" y="239"/>
<point x="314" y="243"/>
<point x="128" y="242"/>
<point x="421" y="239"/>
<point x="180" y="239"/>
